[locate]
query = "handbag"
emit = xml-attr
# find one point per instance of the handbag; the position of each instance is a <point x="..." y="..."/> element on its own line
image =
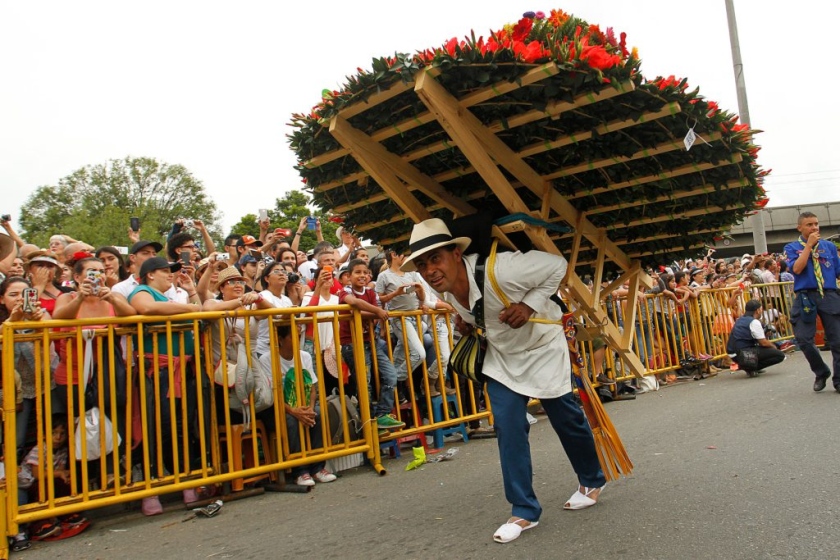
<point x="747" y="358"/>
<point x="467" y="358"/>
<point x="94" y="423"/>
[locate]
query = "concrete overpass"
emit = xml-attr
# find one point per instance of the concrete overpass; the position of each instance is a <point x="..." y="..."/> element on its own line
<point x="779" y="227"/>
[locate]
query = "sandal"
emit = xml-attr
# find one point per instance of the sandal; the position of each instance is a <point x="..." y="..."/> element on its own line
<point x="511" y="530"/>
<point x="582" y="500"/>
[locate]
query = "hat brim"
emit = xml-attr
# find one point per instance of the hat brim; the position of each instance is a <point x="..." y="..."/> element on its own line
<point x="7" y="246"/>
<point x="461" y="242"/>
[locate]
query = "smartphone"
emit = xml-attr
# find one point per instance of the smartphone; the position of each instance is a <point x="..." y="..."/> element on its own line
<point x="134" y="224"/>
<point x="263" y="214"/>
<point x="30" y="296"/>
<point x="311" y="222"/>
<point x="94" y="276"/>
<point x="409" y="290"/>
<point x="185" y="257"/>
<point x="283" y="232"/>
<point x="327" y="268"/>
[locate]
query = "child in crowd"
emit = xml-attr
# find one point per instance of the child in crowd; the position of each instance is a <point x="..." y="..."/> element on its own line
<point x="358" y="295"/>
<point x="67" y="525"/>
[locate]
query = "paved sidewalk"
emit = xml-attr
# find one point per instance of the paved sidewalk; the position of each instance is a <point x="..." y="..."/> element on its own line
<point x="728" y="467"/>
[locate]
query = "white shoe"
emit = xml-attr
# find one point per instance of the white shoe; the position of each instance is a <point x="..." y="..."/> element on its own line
<point x="511" y="530"/>
<point x="305" y="480"/>
<point x="324" y="476"/>
<point x="531" y="419"/>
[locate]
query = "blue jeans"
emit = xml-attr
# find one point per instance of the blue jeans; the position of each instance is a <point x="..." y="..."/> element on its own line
<point x="387" y="375"/>
<point x="828" y="309"/>
<point x="512" y="430"/>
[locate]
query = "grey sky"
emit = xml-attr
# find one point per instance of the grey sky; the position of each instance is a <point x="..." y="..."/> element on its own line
<point x="211" y="85"/>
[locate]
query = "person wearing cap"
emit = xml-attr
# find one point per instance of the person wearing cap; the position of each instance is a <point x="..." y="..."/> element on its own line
<point x="523" y="360"/>
<point x="179" y="240"/>
<point x="156" y="277"/>
<point x="44" y="270"/>
<point x="246" y="243"/>
<point x="138" y="253"/>
<point x="747" y="332"/>
<point x="248" y="267"/>
<point x="815" y="266"/>
<point x="349" y="243"/>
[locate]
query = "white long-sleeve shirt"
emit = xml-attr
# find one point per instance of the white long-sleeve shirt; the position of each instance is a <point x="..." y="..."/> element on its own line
<point x="532" y="360"/>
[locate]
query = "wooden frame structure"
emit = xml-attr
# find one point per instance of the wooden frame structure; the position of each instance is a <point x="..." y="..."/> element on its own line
<point x="683" y="197"/>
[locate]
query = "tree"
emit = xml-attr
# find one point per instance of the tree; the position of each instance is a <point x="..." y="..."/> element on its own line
<point x="287" y="213"/>
<point x="94" y="203"/>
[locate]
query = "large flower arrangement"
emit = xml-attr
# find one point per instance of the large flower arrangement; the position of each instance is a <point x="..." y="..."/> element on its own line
<point x="569" y="99"/>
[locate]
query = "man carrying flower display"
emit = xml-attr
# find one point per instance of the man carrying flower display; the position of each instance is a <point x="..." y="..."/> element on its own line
<point x="524" y="359"/>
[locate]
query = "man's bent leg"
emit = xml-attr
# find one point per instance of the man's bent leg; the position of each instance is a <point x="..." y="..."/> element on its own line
<point x="387" y="383"/>
<point x="570" y="423"/>
<point x="769" y="357"/>
<point x="512" y="430"/>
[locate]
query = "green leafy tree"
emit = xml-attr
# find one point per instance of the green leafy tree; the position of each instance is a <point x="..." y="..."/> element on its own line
<point x="287" y="213"/>
<point x="94" y="203"/>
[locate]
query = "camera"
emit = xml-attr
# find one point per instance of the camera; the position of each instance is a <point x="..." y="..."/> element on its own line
<point x="6" y="217"/>
<point x="221" y="257"/>
<point x="268" y="260"/>
<point x="94" y="276"/>
<point x="30" y="296"/>
<point x="188" y="223"/>
<point x="293" y="277"/>
<point x="409" y="290"/>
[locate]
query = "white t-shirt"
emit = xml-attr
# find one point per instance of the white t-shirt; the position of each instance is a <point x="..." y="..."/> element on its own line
<point x="307" y="269"/>
<point x="325" y="328"/>
<point x="265" y="322"/>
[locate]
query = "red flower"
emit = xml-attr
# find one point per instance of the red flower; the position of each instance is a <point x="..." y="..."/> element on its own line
<point x="450" y="46"/>
<point x="522" y="29"/>
<point x="598" y="57"/>
<point x="623" y="44"/>
<point x="531" y="52"/>
<point x="713" y="109"/>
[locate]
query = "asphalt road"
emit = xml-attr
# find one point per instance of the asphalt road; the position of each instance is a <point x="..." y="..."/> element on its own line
<point x="730" y="467"/>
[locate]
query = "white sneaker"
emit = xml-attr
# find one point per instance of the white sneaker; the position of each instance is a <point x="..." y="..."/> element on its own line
<point x="531" y="419"/>
<point x="305" y="480"/>
<point x="324" y="476"/>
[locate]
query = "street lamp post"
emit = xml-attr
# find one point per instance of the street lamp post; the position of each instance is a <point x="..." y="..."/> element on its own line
<point x="757" y="219"/>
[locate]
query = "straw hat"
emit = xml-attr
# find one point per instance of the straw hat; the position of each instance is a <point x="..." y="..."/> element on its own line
<point x="227" y="274"/>
<point x="7" y="246"/>
<point x="427" y="236"/>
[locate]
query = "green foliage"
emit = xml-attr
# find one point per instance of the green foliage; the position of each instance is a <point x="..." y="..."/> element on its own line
<point x="94" y="203"/>
<point x="287" y="213"/>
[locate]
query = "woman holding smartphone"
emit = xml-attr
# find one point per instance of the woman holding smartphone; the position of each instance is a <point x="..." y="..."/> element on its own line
<point x="16" y="305"/>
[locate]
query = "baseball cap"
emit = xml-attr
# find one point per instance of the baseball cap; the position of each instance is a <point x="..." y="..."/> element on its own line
<point x="246" y="259"/>
<point x="157" y="263"/>
<point x="246" y="240"/>
<point x="752" y="306"/>
<point x="140" y="245"/>
<point x="695" y="271"/>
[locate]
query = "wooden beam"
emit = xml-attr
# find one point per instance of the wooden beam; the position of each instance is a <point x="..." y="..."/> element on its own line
<point x="632" y="305"/>
<point x="369" y="155"/>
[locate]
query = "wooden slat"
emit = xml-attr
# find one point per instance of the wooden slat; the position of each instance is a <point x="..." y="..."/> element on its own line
<point x="370" y="156"/>
<point x="678" y="172"/>
<point x="553" y="110"/>
<point x="530" y="77"/>
<point x="704" y="189"/>
<point x="663" y="148"/>
<point x="613" y="126"/>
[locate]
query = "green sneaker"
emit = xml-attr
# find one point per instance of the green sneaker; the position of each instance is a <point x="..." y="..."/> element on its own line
<point x="388" y="421"/>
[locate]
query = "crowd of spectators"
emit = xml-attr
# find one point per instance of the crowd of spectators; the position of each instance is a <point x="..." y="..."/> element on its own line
<point x="74" y="280"/>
